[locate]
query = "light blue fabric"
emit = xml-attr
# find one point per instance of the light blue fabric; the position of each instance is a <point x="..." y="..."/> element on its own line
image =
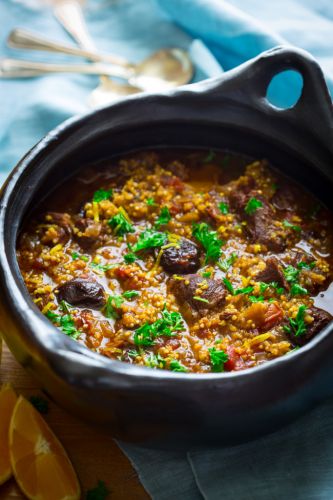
<point x="30" y="108"/>
<point x="297" y="462"/>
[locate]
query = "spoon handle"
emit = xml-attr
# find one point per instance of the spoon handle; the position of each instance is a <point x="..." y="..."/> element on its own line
<point x="24" y="39"/>
<point x="18" y="68"/>
<point x="69" y="14"/>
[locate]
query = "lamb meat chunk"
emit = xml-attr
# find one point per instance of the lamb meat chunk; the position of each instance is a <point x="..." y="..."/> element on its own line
<point x="181" y="259"/>
<point x="186" y="289"/>
<point x="82" y="292"/>
<point x="259" y="224"/>
<point x="273" y="272"/>
<point x="64" y="223"/>
<point x="86" y="232"/>
<point x="321" y="318"/>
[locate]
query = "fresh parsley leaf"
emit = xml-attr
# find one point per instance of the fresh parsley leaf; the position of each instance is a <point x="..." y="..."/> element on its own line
<point x="150" y="239"/>
<point x="130" y="257"/>
<point x="297" y="289"/>
<point x="210" y="157"/>
<point x="150" y="202"/>
<point x="41" y="404"/>
<point x="113" y="303"/>
<point x="120" y="224"/>
<point x="264" y="286"/>
<point x="155" y="361"/>
<point x="175" y="366"/>
<point x="225" y="264"/>
<point x="224" y="208"/>
<point x="253" y="298"/>
<point x="288" y="224"/>
<point x="101" y="267"/>
<point x="252" y="205"/>
<point x="167" y="326"/>
<point x="209" y="240"/>
<point x="291" y="274"/>
<point x="239" y="291"/>
<point x="130" y="294"/>
<point x="76" y="255"/>
<point x="217" y="359"/>
<point x="206" y="274"/>
<point x="102" y="194"/>
<point x="305" y="265"/>
<point x="297" y="325"/>
<point x="65" y="323"/>
<point x="100" y="492"/>
<point x="163" y="218"/>
<point x="132" y="353"/>
<point x="200" y="299"/>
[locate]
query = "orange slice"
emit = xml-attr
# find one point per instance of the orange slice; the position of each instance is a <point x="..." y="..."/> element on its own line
<point x="8" y="400"/>
<point x="40" y="464"/>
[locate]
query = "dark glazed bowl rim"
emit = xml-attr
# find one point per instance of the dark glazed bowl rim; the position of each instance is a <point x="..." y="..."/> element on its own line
<point x="27" y="313"/>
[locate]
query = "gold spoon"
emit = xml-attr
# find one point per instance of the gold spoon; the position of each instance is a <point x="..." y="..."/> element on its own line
<point x="161" y="70"/>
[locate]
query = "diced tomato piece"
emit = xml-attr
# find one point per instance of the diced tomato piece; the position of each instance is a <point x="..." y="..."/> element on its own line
<point x="273" y="316"/>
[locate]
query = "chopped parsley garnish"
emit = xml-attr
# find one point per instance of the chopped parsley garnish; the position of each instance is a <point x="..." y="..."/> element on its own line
<point x="224" y="208"/>
<point x="239" y="291"/>
<point x="130" y="257"/>
<point x="155" y="361"/>
<point x="225" y="264"/>
<point x="254" y="299"/>
<point x="200" y="299"/>
<point x="102" y="267"/>
<point x="102" y="194"/>
<point x="41" y="404"/>
<point x="210" y="157"/>
<point x="113" y="303"/>
<point x="175" y="366"/>
<point x="297" y="325"/>
<point x="76" y="255"/>
<point x="150" y="202"/>
<point x="305" y="265"/>
<point x="149" y="239"/>
<point x="273" y="284"/>
<point x="121" y="224"/>
<point x="252" y="205"/>
<point x="132" y="353"/>
<point x="217" y="359"/>
<point x="297" y="289"/>
<point x="163" y="218"/>
<point x="167" y="326"/>
<point x="100" y="492"/>
<point x="291" y="274"/>
<point x="130" y="294"/>
<point x="209" y="240"/>
<point x="65" y="323"/>
<point x="288" y="224"/>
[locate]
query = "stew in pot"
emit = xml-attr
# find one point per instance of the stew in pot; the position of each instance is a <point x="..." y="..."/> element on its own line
<point x="189" y="261"/>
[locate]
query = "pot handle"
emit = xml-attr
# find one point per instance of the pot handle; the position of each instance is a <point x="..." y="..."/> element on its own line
<point x="312" y="111"/>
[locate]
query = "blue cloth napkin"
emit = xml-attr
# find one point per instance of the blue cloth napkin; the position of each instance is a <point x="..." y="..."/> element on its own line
<point x="297" y="461"/>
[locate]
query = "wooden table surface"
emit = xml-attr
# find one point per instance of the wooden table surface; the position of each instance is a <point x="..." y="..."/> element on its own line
<point x="95" y="456"/>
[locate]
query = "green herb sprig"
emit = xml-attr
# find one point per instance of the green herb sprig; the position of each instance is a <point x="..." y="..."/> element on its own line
<point x="252" y="206"/>
<point x="209" y="240"/>
<point x="217" y="358"/>
<point x="167" y="326"/>
<point x="239" y="291"/>
<point x="297" y="326"/>
<point x="102" y="194"/>
<point x="163" y="218"/>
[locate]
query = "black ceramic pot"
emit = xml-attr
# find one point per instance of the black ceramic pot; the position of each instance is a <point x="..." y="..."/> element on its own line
<point x="156" y="407"/>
